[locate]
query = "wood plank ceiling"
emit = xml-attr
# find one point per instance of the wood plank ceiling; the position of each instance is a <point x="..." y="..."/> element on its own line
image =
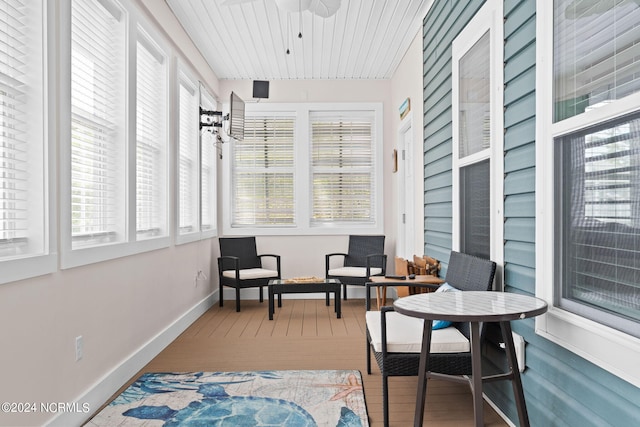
<point x="249" y="39"/>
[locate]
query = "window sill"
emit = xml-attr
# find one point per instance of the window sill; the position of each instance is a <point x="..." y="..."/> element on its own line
<point x="608" y="348"/>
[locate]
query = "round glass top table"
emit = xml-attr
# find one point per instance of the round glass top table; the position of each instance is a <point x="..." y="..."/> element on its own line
<point x="474" y="307"/>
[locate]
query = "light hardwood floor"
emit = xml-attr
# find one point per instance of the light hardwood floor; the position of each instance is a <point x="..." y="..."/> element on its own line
<point x="305" y="334"/>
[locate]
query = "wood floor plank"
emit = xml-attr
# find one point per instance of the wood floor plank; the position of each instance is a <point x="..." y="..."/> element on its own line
<point x="305" y="334"/>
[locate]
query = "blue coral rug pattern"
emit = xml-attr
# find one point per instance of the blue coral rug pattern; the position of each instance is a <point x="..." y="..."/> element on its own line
<point x="332" y="398"/>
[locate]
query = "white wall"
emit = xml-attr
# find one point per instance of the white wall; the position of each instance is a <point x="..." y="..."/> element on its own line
<point x="304" y="255"/>
<point x="118" y="307"/>
<point x="407" y="83"/>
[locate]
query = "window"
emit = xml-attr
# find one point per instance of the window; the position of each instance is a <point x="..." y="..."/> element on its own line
<point x="114" y="138"/>
<point x="97" y="124"/>
<point x="598" y="217"/>
<point x="478" y="137"/>
<point x="342" y="167"/>
<point x="26" y="247"/>
<point x="588" y="145"/>
<point x="305" y="168"/>
<point x="263" y="175"/>
<point x="188" y="157"/>
<point x="151" y="140"/>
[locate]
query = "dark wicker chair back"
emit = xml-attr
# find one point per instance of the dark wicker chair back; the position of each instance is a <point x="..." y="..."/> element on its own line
<point x="362" y="246"/>
<point x="242" y="247"/>
<point x="469" y="273"/>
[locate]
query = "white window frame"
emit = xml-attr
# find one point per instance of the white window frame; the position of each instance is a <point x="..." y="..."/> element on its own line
<point x="44" y="260"/>
<point x="302" y="173"/>
<point x="606" y="347"/>
<point x="128" y="245"/>
<point x="487" y="19"/>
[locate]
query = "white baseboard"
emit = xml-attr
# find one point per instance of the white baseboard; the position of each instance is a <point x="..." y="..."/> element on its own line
<point x="102" y="390"/>
<point x="499" y="411"/>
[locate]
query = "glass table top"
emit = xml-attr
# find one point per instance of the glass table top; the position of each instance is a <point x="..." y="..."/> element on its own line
<point x="471" y="306"/>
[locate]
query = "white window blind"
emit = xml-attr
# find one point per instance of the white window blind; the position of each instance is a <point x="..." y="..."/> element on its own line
<point x="263" y="172"/>
<point x="151" y="140"/>
<point x="342" y="167"/>
<point x="188" y="173"/>
<point x="596" y="54"/>
<point x="97" y="109"/>
<point x="208" y="154"/>
<point x="21" y="137"/>
<point x="475" y="96"/>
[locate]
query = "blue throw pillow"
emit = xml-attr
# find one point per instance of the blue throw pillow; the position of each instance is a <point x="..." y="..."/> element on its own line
<point x="441" y="324"/>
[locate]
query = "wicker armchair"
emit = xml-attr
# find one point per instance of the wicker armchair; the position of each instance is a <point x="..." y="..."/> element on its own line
<point x="466" y="273"/>
<point x="240" y="266"/>
<point x="365" y="258"/>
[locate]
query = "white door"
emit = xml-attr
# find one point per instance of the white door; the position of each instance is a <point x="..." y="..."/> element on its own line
<point x="405" y="246"/>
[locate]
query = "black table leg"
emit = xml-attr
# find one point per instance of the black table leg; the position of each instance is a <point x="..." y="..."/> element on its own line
<point x="337" y="302"/>
<point x="516" y="381"/>
<point x="271" y="307"/>
<point x="476" y="374"/>
<point x="422" y="373"/>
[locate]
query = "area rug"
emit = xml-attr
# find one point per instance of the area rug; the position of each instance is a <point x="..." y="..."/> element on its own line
<point x="254" y="398"/>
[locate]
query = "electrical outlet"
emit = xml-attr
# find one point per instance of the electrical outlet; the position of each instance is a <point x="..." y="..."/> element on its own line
<point x="200" y="276"/>
<point x="79" y="347"/>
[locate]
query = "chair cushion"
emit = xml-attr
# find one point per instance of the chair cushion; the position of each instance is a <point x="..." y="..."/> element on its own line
<point x="404" y="335"/>
<point x="354" y="271"/>
<point x="251" y="273"/>
<point x="441" y="324"/>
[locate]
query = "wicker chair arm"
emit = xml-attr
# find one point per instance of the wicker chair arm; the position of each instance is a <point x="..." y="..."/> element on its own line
<point x="327" y="261"/>
<point x="223" y="261"/>
<point x="276" y="257"/>
<point x="383" y="260"/>
<point x="383" y="327"/>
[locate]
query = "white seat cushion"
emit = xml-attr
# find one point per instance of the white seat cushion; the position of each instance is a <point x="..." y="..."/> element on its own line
<point x="354" y="271"/>
<point x="404" y="335"/>
<point x="251" y="273"/>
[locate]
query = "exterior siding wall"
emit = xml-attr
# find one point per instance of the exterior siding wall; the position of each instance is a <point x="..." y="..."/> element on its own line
<point x="561" y="388"/>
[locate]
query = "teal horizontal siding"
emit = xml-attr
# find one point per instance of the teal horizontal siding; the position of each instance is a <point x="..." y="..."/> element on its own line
<point x="520" y="86"/>
<point x="520" y="181"/>
<point x="520" y="134"/>
<point x="518" y="206"/>
<point x="519" y="111"/>
<point x="441" y="180"/>
<point x="520" y="158"/>
<point x="520" y="229"/>
<point x="524" y="60"/>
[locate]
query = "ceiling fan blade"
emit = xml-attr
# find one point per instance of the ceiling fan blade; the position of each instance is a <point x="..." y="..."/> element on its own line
<point x="232" y="2"/>
<point x="324" y="8"/>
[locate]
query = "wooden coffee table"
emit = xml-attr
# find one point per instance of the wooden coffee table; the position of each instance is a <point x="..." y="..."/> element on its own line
<point x="325" y="286"/>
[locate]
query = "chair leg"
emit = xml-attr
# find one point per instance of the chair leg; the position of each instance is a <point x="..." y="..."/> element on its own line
<point x="237" y="299"/>
<point x="261" y="297"/>
<point x="385" y="399"/>
<point x="220" y="293"/>
<point x="368" y="355"/>
<point x="344" y="291"/>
